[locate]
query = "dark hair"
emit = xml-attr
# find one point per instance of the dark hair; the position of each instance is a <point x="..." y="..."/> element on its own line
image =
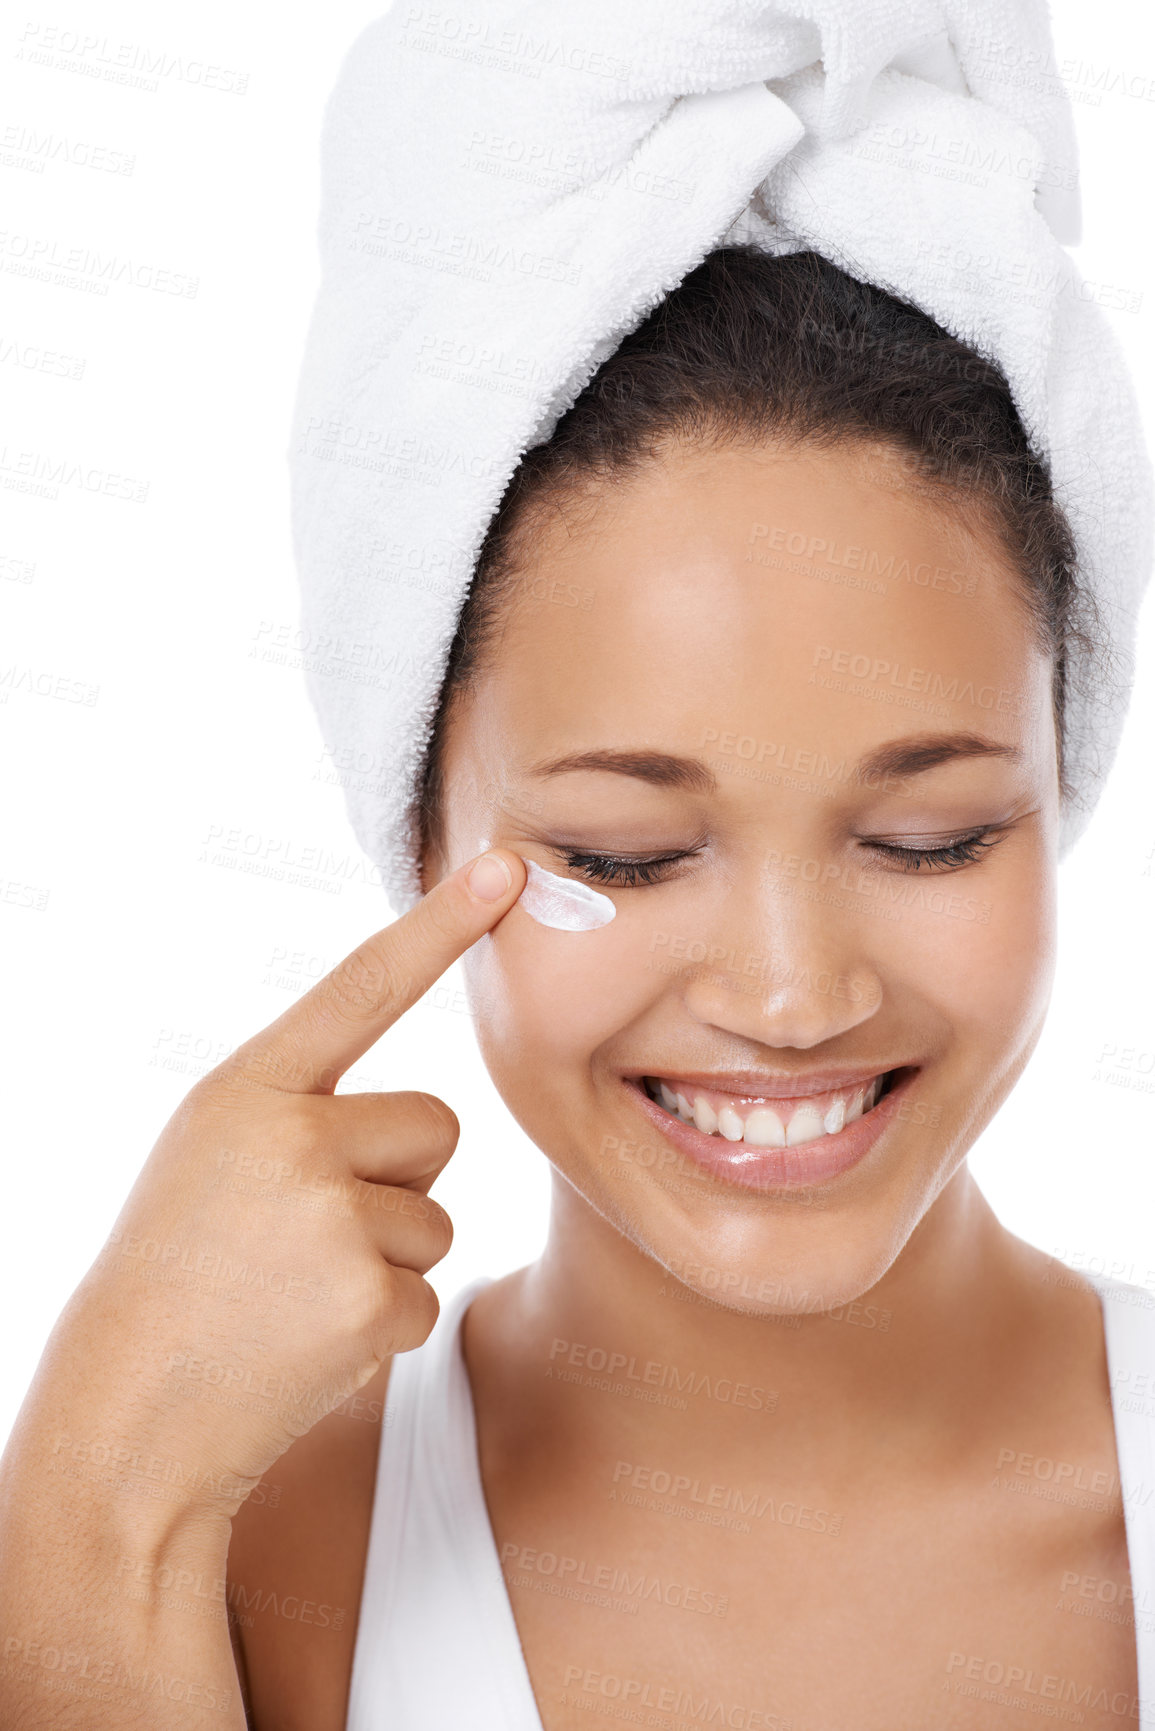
<point x="751" y="347"/>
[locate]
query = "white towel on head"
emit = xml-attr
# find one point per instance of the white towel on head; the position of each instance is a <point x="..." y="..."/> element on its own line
<point x="509" y="188"/>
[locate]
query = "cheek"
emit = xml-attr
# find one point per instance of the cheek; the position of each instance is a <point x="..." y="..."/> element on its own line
<point x="978" y="954"/>
<point x="1009" y="969"/>
<point x="557" y="996"/>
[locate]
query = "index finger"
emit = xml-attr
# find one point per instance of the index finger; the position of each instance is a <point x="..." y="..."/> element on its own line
<point x="309" y="1048"/>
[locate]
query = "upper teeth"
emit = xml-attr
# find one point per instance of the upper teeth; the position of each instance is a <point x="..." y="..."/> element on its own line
<point x="758" y="1125"/>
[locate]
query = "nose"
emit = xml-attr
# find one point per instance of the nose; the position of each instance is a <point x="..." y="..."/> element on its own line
<point x="783" y="970"/>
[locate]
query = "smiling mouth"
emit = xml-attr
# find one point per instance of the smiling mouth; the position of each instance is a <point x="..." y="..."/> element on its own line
<point x="767" y="1121"/>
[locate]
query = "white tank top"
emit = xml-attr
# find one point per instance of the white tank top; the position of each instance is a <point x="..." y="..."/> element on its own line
<point x="437" y="1646"/>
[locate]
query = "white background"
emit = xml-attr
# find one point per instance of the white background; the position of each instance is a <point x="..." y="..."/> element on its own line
<point x="131" y="960"/>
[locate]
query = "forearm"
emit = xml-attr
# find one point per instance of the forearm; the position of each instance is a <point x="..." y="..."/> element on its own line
<point x="112" y="1586"/>
<point x="108" y="1623"/>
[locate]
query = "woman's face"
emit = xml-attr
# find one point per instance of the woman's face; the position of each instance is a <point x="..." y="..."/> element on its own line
<point x="790" y="716"/>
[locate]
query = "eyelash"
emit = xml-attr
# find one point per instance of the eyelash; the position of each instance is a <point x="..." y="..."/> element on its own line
<point x="630" y="874"/>
<point x="963" y="852"/>
<point x="626" y="873"/>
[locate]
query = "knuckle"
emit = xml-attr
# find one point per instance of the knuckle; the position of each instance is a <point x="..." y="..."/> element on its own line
<point x="403" y="960"/>
<point x="439" y="914"/>
<point x="439" y="1228"/>
<point x="217" y="1088"/>
<point x="417" y="1311"/>
<point x="369" y="1295"/>
<point x="200" y="1102"/>
<point x="358" y="984"/>
<point x="427" y="1309"/>
<point x="296" y="1128"/>
<point x="216" y="1106"/>
<point x="434" y="1119"/>
<point x="251" y="1072"/>
<point x="406" y="1317"/>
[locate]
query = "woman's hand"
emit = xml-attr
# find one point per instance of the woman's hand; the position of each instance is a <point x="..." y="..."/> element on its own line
<point x="269" y="1258"/>
<point x="272" y="1252"/>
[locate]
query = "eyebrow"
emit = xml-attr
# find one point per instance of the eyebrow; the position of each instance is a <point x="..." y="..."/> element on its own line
<point x="658" y="767"/>
<point x="907" y="757"/>
<point x="928" y="750"/>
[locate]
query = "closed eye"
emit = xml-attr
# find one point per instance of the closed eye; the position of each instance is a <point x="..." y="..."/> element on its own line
<point x="630" y="873"/>
<point x="604" y="868"/>
<point x="963" y="850"/>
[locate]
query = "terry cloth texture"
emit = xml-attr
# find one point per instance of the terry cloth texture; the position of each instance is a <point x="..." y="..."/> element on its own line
<point x="508" y="189"/>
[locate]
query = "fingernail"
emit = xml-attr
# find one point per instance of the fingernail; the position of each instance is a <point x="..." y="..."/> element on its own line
<point x="489" y="877"/>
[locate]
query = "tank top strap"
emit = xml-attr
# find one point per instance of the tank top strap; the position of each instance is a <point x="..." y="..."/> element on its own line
<point x="437" y="1646"/>
<point x="1129" y="1332"/>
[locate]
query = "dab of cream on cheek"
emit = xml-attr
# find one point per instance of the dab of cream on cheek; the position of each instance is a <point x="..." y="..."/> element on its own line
<point x="560" y="902"/>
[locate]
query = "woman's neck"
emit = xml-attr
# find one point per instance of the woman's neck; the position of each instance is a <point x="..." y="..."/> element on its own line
<point x="943" y="1333"/>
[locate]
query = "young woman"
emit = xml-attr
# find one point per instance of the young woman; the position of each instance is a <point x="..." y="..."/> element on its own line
<point x="783" y="1427"/>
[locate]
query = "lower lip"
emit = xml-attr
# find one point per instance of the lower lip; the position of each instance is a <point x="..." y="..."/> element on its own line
<point x="796" y="1168"/>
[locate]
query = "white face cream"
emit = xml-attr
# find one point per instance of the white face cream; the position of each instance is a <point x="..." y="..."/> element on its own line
<point x="562" y="903"/>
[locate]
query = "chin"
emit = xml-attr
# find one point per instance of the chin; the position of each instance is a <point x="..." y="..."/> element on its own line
<point x="832" y="1270"/>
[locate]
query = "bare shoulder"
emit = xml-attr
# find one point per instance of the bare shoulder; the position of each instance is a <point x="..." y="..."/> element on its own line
<point x="295" y="1568"/>
<point x="1058" y="1326"/>
<point x="1052" y="1438"/>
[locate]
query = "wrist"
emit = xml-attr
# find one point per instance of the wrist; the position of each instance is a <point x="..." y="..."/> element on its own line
<point x="115" y="1502"/>
<point x="101" y="1452"/>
